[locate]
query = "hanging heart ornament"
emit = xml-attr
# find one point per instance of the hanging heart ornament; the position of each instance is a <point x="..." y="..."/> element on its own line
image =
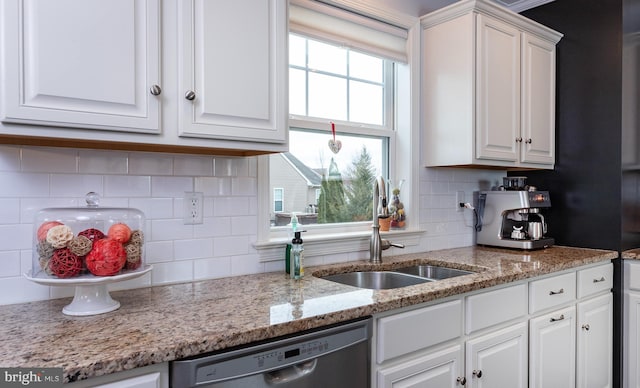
<point x="334" y="145"/>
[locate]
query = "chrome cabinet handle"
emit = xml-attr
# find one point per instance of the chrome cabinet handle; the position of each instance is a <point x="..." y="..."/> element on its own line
<point x="155" y="90"/>
<point x="557" y="319"/>
<point x="598" y="280"/>
<point x="477" y="373"/>
<point x="518" y="140"/>
<point x="190" y="95"/>
<point x="560" y="291"/>
<point x="528" y="141"/>
<point x="586" y="327"/>
<point x="462" y="380"/>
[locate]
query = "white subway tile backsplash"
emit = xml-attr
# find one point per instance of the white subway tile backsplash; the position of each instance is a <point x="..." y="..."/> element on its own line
<point x="33" y="178"/>
<point x="141" y="163"/>
<point x="214" y="186"/>
<point x="171" y="186"/>
<point x="60" y="160"/>
<point x="19" y="185"/>
<point x="102" y="162"/>
<point x="212" y="268"/>
<point x="193" y="249"/>
<point x="193" y="165"/>
<point x="10" y="263"/>
<point x="75" y="185"/>
<point x="127" y="186"/>
<point x="172" y="272"/>
<point x="10" y="210"/>
<point x="9" y="158"/>
<point x="231" y="246"/>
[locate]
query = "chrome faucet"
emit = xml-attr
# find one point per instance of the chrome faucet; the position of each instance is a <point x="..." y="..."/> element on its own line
<point x="379" y="209"/>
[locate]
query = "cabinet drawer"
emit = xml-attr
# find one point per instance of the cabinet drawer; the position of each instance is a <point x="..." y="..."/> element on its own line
<point x="551" y="292"/>
<point x="418" y="329"/>
<point x="493" y="307"/>
<point x="596" y="279"/>
<point x="632" y="274"/>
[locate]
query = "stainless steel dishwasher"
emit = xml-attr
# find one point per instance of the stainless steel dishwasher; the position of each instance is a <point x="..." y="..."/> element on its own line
<point x="335" y="356"/>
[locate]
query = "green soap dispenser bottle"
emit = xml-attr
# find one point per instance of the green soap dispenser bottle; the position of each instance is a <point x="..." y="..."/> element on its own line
<point x="297" y="257"/>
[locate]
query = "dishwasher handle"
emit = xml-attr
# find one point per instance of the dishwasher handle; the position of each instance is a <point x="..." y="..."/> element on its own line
<point x="291" y="373"/>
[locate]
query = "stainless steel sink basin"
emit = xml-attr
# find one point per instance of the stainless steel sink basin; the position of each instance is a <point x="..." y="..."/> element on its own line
<point x="377" y="280"/>
<point x="433" y="272"/>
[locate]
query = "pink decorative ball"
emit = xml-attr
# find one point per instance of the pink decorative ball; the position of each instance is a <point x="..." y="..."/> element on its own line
<point x="44" y="229"/>
<point x="119" y="232"/>
<point x="107" y="257"/>
<point x="92" y="234"/>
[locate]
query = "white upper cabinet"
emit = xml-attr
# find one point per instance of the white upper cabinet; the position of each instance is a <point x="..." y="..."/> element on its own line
<point x="233" y="69"/>
<point x="157" y="75"/>
<point x="88" y="64"/>
<point x="488" y="83"/>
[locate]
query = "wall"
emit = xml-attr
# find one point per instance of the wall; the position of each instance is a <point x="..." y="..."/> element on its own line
<point x="33" y="178"/>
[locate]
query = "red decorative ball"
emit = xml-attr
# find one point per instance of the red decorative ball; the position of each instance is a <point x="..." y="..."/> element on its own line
<point x="119" y="232"/>
<point x="65" y="264"/>
<point x="92" y="234"/>
<point x="106" y="258"/>
<point x="44" y="229"/>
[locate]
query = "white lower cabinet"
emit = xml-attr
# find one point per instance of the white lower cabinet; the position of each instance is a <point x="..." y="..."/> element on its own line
<point x="441" y="369"/>
<point x="554" y="331"/>
<point x="552" y="354"/>
<point x="631" y="324"/>
<point x="594" y="367"/>
<point x="498" y="359"/>
<point x="152" y="376"/>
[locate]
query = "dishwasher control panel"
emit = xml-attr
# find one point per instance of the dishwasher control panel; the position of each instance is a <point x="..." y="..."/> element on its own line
<point x="298" y="353"/>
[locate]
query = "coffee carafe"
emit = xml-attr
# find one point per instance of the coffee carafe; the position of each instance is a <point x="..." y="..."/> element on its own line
<point x="512" y="219"/>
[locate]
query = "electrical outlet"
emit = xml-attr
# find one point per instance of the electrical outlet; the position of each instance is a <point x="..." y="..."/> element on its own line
<point x="193" y="208"/>
<point x="459" y="200"/>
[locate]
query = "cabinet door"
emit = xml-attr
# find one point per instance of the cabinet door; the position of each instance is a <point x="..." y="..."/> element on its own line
<point x="538" y="100"/>
<point x="440" y="369"/>
<point x="498" y="90"/>
<point x="595" y="342"/>
<point x="552" y="351"/>
<point x="233" y="70"/>
<point x="87" y="64"/>
<point x="632" y="339"/>
<point x="498" y="359"/>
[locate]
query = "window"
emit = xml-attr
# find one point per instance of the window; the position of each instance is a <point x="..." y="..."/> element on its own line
<point x="278" y="200"/>
<point x="371" y="66"/>
<point x="332" y="87"/>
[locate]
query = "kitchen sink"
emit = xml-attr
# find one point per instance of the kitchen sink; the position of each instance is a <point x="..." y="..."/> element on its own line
<point x="433" y="272"/>
<point x="377" y="280"/>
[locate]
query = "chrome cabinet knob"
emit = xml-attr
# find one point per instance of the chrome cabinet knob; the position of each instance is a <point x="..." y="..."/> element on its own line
<point x="528" y="141"/>
<point x="190" y="95"/>
<point x="477" y="373"/>
<point x="586" y="327"/>
<point x="462" y="380"/>
<point x="155" y="90"/>
<point x="518" y="140"/>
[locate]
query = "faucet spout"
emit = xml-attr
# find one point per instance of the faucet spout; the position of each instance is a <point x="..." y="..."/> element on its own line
<point x="380" y="209"/>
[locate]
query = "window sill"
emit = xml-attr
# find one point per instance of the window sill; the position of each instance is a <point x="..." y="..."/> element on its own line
<point x="328" y="244"/>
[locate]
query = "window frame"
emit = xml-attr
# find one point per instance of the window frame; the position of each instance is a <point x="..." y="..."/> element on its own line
<point x="405" y="163"/>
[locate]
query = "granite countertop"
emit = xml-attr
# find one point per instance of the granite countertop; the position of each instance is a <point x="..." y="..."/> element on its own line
<point x="632" y="254"/>
<point x="164" y="323"/>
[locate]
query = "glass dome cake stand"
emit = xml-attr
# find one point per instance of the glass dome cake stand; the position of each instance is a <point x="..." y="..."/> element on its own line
<point x="91" y="294"/>
<point x="88" y="248"/>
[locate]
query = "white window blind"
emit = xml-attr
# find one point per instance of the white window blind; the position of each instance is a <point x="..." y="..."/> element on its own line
<point x="341" y="27"/>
